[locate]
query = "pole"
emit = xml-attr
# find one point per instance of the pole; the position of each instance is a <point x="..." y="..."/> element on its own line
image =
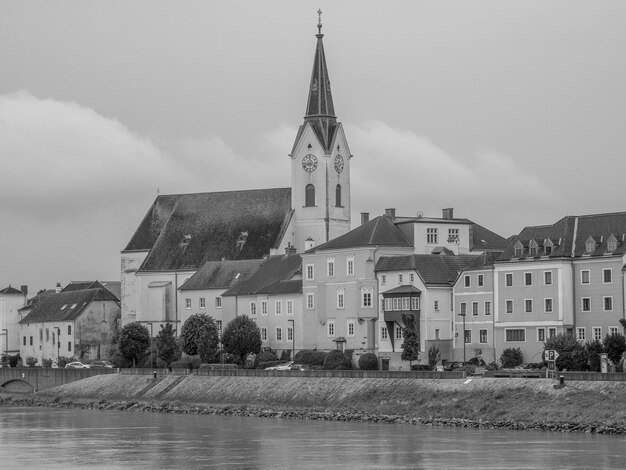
<point x="293" y="339"/>
<point x="58" y="342"/>
<point x="6" y="343"/>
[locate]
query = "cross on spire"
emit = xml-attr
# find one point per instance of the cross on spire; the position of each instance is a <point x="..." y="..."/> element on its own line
<point x="319" y="21"/>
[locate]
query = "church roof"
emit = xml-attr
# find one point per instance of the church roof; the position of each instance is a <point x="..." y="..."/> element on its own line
<point x="221" y="274"/>
<point x="10" y="290"/>
<point x="380" y="231"/>
<point x="279" y="274"/>
<point x="66" y="306"/>
<point x="183" y="231"/>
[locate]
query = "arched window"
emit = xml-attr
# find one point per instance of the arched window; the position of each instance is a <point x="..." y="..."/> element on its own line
<point x="309" y="195"/>
<point x="338" y="196"/>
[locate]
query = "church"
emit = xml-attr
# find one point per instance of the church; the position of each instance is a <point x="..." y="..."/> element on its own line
<point x="181" y="232"/>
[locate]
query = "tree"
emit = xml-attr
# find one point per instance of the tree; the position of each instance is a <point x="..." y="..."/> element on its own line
<point x="572" y="354"/>
<point x="433" y="356"/>
<point x="411" y="346"/>
<point x="337" y="360"/>
<point x="622" y="321"/>
<point x="241" y="337"/>
<point x="368" y="361"/>
<point x="594" y="349"/>
<point x="197" y="329"/>
<point x="208" y="343"/>
<point x="511" y="357"/>
<point x="134" y="340"/>
<point x="168" y="348"/>
<point x="614" y="346"/>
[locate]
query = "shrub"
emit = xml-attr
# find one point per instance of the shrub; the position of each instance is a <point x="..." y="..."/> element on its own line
<point x="337" y="360"/>
<point x="476" y="362"/>
<point x="433" y="356"/>
<point x="368" y="361"/>
<point x="421" y="367"/>
<point x="47" y="363"/>
<point x="285" y="355"/>
<point x="572" y="354"/>
<point x="31" y="361"/>
<point x="594" y="349"/>
<point x="218" y="366"/>
<point x="615" y="345"/>
<point x="310" y="358"/>
<point x="63" y="361"/>
<point x="411" y="345"/>
<point x="265" y="356"/>
<point x="14" y="360"/>
<point x="511" y="357"/>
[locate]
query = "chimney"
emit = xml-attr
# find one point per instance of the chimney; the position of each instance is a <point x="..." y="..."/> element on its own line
<point x="24" y="290"/>
<point x="308" y="244"/>
<point x="365" y="217"/>
<point x="58" y="288"/>
<point x="390" y="212"/>
<point x="290" y="249"/>
<point x="448" y="213"/>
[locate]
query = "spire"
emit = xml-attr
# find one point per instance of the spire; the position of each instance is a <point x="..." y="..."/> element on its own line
<point x="320" y="111"/>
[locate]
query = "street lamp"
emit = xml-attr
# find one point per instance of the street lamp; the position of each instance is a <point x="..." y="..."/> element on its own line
<point x="293" y="339"/>
<point x="5" y="333"/>
<point x="58" y="342"/>
<point x="463" y="314"/>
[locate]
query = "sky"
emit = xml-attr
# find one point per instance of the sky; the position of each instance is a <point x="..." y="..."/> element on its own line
<point x="511" y="112"/>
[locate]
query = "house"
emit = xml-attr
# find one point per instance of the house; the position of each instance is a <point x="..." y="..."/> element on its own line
<point x="76" y="323"/>
<point x="11" y="300"/>
<point x="182" y="232"/>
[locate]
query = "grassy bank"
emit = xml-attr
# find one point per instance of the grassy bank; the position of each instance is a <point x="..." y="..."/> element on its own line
<point x="495" y="403"/>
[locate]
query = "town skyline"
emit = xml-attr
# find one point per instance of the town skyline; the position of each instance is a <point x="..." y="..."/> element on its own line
<point x="490" y="109"/>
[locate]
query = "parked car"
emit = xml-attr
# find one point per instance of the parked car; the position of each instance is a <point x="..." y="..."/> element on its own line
<point x="101" y="365"/>
<point x="76" y="365"/>
<point x="450" y="366"/>
<point x="299" y="367"/>
<point x="285" y="366"/>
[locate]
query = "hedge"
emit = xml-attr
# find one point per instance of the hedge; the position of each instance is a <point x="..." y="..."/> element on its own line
<point x="218" y="366"/>
<point x="310" y="358"/>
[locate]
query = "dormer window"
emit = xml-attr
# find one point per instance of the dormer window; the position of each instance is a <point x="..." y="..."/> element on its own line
<point x="519" y="249"/>
<point x="590" y="246"/>
<point x="532" y="248"/>
<point x="547" y="247"/>
<point x="64" y="305"/>
<point x="611" y="244"/>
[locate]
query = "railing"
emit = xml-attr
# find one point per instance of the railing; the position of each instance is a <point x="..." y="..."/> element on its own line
<point x="352" y="374"/>
<point x="596" y="376"/>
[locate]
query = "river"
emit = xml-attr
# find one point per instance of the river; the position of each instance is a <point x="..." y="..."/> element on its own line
<point x="49" y="438"/>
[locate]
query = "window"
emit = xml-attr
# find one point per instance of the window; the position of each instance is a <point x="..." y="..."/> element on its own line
<point x="519" y="249"/>
<point x="309" y="195"/>
<point x="24" y="340"/>
<point x="415" y="303"/>
<point x="483" y="336"/>
<point x="613" y="330"/>
<point x="400" y="278"/>
<point x="468" y="336"/>
<point x="608" y="303"/>
<point x="263" y="307"/>
<point x="218" y="302"/>
<point x="607" y="276"/>
<point x="475" y="308"/>
<point x="350" y="265"/>
<point x="219" y="325"/>
<point x="597" y="333"/>
<point x="383" y="333"/>
<point x="436" y="333"/>
<point x="202" y="302"/>
<point x="541" y="334"/>
<point x="397" y="303"/>
<point x="487" y="308"/>
<point x="551" y="332"/>
<point x="580" y="334"/>
<point x="388" y="305"/>
<point x="528" y="305"/>
<point x="41" y="335"/>
<point x="351" y="323"/>
<point x="338" y="195"/>
<point x="411" y="278"/>
<point x="279" y="333"/>
<point x="467" y="281"/>
<point x="508" y="279"/>
<point x="263" y="334"/>
<point x="528" y="279"/>
<point x="252" y="308"/>
<point x="63" y="307"/>
<point x="309" y="272"/>
<point x="453" y="235"/>
<point x="547" y="305"/>
<point x="586" y="304"/>
<point x="69" y="329"/>
<point x="289" y="333"/>
<point x="518" y="334"/>
<point x="310" y="303"/>
<point x="330" y="265"/>
<point x="398" y="332"/>
<point x="590" y="245"/>
<point x="463" y="309"/>
<point x="278" y="307"/>
<point x="366" y="297"/>
<point x="584" y="276"/>
<point x="436" y="305"/>
<point x="331" y="328"/>
<point x="481" y="280"/>
<point x="431" y="235"/>
<point x="383" y="279"/>
<point x="290" y="307"/>
<point x="509" y="306"/>
<point x="47" y="335"/>
<point x="69" y="346"/>
<point x="31" y="340"/>
<point x="547" y="278"/>
<point x="611" y="244"/>
<point x="406" y="303"/>
<point x="340" y="298"/>
<point x="188" y="304"/>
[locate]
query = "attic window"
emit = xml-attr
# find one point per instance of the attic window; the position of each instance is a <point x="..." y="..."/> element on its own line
<point x="241" y="241"/>
<point x="532" y="248"/>
<point x="186" y="240"/>
<point x="519" y="249"/>
<point x="590" y="245"/>
<point x="64" y="305"/>
<point x="611" y="244"/>
<point x="73" y="305"/>
<point x="548" y="244"/>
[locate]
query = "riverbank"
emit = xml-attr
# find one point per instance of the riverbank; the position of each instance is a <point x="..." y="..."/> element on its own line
<point x="592" y="407"/>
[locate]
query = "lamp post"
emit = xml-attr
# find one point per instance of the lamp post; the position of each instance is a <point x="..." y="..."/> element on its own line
<point x="5" y="333"/>
<point x="293" y="339"/>
<point x="58" y="342"/>
<point x="463" y="314"/>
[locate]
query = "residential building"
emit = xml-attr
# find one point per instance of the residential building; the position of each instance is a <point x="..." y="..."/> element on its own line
<point x="11" y="300"/>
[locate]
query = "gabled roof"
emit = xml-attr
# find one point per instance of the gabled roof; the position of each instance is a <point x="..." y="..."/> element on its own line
<point x="182" y="232"/>
<point x="115" y="287"/>
<point x="221" y="274"/>
<point x="434" y="270"/>
<point x="11" y="290"/>
<point x="407" y="289"/>
<point x="37" y="298"/>
<point x="377" y="232"/>
<point x="277" y="275"/>
<point x="66" y="306"/>
<point x="569" y="236"/>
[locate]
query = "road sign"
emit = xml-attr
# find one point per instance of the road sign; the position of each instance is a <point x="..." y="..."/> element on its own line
<point x="551" y="355"/>
<point x="551" y="365"/>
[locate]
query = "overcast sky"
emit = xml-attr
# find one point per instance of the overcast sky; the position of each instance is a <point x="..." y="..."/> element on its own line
<point x="511" y="112"/>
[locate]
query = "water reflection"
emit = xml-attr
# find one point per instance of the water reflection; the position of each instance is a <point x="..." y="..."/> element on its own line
<point x="54" y="439"/>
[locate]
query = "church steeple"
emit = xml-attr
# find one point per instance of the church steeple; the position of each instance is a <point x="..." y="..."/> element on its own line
<point x="320" y="111"/>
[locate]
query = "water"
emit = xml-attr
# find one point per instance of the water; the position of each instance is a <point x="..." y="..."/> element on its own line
<point x="41" y="438"/>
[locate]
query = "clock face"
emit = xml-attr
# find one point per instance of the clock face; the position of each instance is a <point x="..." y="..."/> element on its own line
<point x="339" y="163"/>
<point x="309" y="163"/>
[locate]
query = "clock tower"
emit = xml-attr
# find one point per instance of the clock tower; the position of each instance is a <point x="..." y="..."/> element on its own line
<point x="320" y="165"/>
